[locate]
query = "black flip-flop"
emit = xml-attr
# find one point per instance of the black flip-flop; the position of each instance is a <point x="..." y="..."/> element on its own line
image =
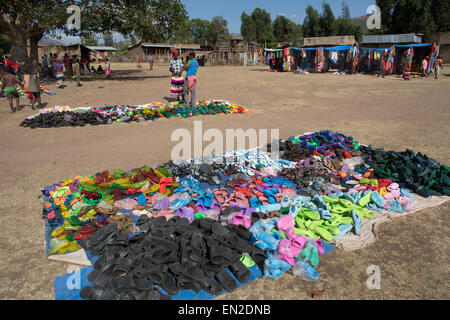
<point x="240" y="271"/>
<point x="99" y="279"/>
<point x="169" y="285"/>
<point x="211" y="286"/>
<point x="225" y="279"/>
<point x="187" y="283"/>
<point x="97" y="293"/>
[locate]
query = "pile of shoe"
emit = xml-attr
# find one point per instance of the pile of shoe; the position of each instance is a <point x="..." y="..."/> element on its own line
<point x="107" y="115"/>
<point x="219" y="206"/>
<point x="173" y="255"/>
<point x="423" y="175"/>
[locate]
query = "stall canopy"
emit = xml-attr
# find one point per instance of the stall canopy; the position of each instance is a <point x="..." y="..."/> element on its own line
<point x="307" y="49"/>
<point x="415" y="45"/>
<point x="339" y="48"/>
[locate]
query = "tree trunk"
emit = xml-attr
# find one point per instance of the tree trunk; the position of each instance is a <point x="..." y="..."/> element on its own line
<point x="34" y="49"/>
<point x="19" y="52"/>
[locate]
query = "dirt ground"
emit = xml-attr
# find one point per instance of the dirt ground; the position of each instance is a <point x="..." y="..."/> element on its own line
<point x="412" y="252"/>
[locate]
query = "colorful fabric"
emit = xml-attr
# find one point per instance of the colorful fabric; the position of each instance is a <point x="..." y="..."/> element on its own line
<point x="176" y="66"/>
<point x="11" y="92"/>
<point x="177" y="86"/>
<point x="192" y="83"/>
<point x="192" y="68"/>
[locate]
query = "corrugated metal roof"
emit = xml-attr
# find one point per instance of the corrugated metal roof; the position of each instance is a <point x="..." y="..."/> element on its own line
<point x="393" y="38"/>
<point x="96" y="48"/>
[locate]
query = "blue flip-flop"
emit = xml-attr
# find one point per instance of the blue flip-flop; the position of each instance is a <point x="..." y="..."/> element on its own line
<point x="345" y="229"/>
<point x="377" y="199"/>
<point x="357" y="222"/>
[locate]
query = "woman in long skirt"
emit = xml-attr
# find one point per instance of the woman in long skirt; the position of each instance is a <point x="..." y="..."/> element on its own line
<point x="177" y="81"/>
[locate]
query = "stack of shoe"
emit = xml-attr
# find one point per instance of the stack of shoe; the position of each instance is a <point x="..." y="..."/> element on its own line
<point x="422" y="174"/>
<point x="173" y="255"/>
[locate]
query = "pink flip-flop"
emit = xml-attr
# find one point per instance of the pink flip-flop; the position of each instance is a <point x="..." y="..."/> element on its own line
<point x="286" y="223"/>
<point x="299" y="242"/>
<point x="238" y="218"/>
<point x="320" y="248"/>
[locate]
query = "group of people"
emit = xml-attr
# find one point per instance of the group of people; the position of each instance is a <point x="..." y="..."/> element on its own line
<point x="150" y="60"/>
<point x="184" y="87"/>
<point x="12" y="85"/>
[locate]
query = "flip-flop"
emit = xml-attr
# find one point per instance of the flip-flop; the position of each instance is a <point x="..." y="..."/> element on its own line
<point x="357" y="222"/>
<point x="240" y="271"/>
<point x="225" y="279"/>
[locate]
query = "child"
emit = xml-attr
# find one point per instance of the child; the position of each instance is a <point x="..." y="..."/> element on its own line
<point x="107" y="69"/>
<point x="77" y="71"/>
<point x="34" y="87"/>
<point x="407" y="71"/>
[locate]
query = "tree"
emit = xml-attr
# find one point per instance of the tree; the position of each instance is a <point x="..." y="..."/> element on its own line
<point x="418" y="16"/>
<point x="200" y="29"/>
<point x="344" y="24"/>
<point x="108" y="39"/>
<point x="327" y="21"/>
<point x="286" y="30"/>
<point x="311" y="24"/>
<point x="248" y="30"/>
<point x="89" y="40"/>
<point x="30" y="19"/>
<point x="5" y="44"/>
<point x="263" y="24"/>
<point x="217" y="29"/>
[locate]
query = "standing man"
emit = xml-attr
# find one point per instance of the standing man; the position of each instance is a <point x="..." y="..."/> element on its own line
<point x="9" y="87"/>
<point x="437" y="67"/>
<point x="66" y="61"/>
<point x="150" y="59"/>
<point x="382" y="66"/>
<point x="190" y="83"/>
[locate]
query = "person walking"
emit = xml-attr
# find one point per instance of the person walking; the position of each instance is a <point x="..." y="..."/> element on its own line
<point x="438" y="67"/>
<point x="108" y="69"/>
<point x="177" y="81"/>
<point x="34" y="87"/>
<point x="382" y="66"/>
<point x="66" y="61"/>
<point x="76" y="65"/>
<point x="10" y="85"/>
<point x="150" y="60"/>
<point x="59" y="73"/>
<point x="190" y="83"/>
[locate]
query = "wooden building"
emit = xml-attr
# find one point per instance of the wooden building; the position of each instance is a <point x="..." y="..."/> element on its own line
<point x="161" y="51"/>
<point x="235" y="51"/>
<point x="388" y="40"/>
<point x="328" y="41"/>
<point x="443" y="39"/>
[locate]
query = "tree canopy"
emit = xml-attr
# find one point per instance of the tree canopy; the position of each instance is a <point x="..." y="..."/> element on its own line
<point x="149" y="20"/>
<point x="419" y="16"/>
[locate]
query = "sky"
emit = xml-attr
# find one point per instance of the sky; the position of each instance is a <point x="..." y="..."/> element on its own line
<point x="294" y="10"/>
<point x="231" y="10"/>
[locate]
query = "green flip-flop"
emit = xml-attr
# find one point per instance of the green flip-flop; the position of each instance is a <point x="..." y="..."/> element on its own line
<point x="365" y="200"/>
<point x="247" y="261"/>
<point x="310" y="214"/>
<point x="324" y="233"/>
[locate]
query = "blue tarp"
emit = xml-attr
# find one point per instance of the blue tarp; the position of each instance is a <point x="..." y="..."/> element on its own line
<point x="412" y="45"/>
<point x="339" y="48"/>
<point x="308" y="49"/>
<point x="64" y="285"/>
